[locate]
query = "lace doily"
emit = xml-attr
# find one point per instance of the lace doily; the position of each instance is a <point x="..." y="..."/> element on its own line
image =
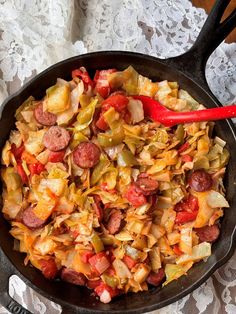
<point x="37" y="33"/>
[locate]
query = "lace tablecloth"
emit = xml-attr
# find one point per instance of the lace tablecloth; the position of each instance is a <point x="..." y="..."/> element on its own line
<point x="37" y="33"/>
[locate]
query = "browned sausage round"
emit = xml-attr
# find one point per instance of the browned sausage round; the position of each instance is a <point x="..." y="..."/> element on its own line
<point x="44" y="117"/>
<point x="72" y="276"/>
<point x="56" y="138"/>
<point x="156" y="279"/>
<point x="146" y="185"/>
<point x="98" y="207"/>
<point x="208" y="233"/>
<point x="200" y="181"/>
<point x="86" y="155"/>
<point x="114" y="222"/>
<point x="31" y="220"/>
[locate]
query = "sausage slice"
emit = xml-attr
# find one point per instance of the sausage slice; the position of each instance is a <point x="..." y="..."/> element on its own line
<point x="146" y="185"/>
<point x="86" y="155"/>
<point x="114" y="222"/>
<point x="208" y="233"/>
<point x="30" y="220"/>
<point x="56" y="138"/>
<point x="72" y="276"/>
<point x="200" y="181"/>
<point x="156" y="279"/>
<point x="44" y="117"/>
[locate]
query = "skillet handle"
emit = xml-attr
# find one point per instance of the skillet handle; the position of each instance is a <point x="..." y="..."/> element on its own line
<point x="6" y="270"/>
<point x="193" y="62"/>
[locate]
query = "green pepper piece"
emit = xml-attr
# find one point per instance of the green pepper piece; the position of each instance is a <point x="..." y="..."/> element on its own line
<point x="180" y="133"/>
<point x="126" y="159"/>
<point x="112" y="118"/>
<point x="78" y="138"/>
<point x="99" y="170"/>
<point x="224" y="158"/>
<point x="110" y="139"/>
<point x="97" y="243"/>
<point x="85" y="116"/>
<point x="161" y="136"/>
<point x="110" y="280"/>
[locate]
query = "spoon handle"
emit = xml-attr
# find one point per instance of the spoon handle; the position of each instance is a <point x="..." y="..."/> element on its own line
<point x="171" y="118"/>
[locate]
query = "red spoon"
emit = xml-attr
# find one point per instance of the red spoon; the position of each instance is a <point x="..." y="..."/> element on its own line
<point x="157" y="112"/>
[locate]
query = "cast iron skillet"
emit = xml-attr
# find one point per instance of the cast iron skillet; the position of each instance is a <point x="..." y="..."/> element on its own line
<point x="188" y="71"/>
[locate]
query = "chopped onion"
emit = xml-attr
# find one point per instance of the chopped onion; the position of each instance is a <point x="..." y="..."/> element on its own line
<point x="132" y="252"/>
<point x="121" y="269"/>
<point x="135" y="107"/>
<point x="199" y="251"/>
<point x="105" y="297"/>
<point x="113" y="151"/>
<point x="215" y="199"/>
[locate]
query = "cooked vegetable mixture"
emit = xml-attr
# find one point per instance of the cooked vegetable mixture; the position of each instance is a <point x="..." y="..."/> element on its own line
<point x="101" y="196"/>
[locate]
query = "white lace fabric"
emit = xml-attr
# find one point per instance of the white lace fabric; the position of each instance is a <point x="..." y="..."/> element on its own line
<point x="35" y="34"/>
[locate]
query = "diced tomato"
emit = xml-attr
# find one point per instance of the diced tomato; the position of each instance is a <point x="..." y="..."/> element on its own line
<point x="99" y="262"/>
<point x="49" y="268"/>
<point x="105" y="292"/>
<point x="17" y="151"/>
<point x="183" y="147"/>
<point x="85" y="256"/>
<point x="83" y="75"/>
<point x="183" y="217"/>
<point x="92" y="284"/>
<point x="104" y="187"/>
<point x="36" y="168"/>
<point x="192" y="203"/>
<point x="101" y="123"/>
<point x="101" y="80"/>
<point x="186" y="158"/>
<point x="189" y="205"/>
<point x="56" y="156"/>
<point x="22" y="173"/>
<point x="136" y="198"/>
<point x="177" y="250"/>
<point x="118" y="102"/>
<point x="129" y="261"/>
<point x="28" y="158"/>
<point x="111" y="271"/>
<point x="127" y="117"/>
<point x="74" y="233"/>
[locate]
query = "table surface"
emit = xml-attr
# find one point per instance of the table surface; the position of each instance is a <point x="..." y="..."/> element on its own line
<point x="208" y="4"/>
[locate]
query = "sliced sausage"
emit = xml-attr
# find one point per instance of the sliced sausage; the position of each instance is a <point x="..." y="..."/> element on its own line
<point x="44" y="117"/>
<point x="86" y="155"/>
<point x="200" y="181"/>
<point x="98" y="207"/>
<point x="146" y="185"/>
<point x="156" y="279"/>
<point x="115" y="222"/>
<point x="56" y="138"/>
<point x="72" y="276"/>
<point x="31" y="220"/>
<point x="208" y="233"/>
<point x="48" y="268"/>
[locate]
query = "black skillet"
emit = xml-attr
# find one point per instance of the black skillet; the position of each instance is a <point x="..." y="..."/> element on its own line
<point x="189" y="71"/>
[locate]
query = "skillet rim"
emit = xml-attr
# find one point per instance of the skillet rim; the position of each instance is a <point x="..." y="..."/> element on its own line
<point x="232" y="130"/>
